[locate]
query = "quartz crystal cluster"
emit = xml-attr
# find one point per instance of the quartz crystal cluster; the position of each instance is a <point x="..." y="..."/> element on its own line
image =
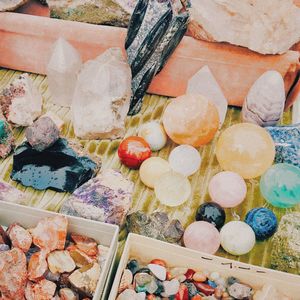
<point x="62" y="70"/>
<point x="21" y="102"/>
<point x="101" y="98"/>
<point x="43" y="263"/>
<point x="267" y="27"/>
<point x="106" y="198"/>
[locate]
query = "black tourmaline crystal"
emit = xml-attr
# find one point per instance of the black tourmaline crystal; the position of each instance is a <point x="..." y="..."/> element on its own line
<point x="62" y="167"/>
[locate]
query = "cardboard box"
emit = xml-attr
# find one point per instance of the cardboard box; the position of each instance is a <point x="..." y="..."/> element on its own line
<point x="145" y="249"/>
<point x="104" y="234"/>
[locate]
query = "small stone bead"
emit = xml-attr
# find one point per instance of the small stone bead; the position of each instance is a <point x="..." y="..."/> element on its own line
<point x="199" y="277"/>
<point x="214" y="276"/>
<point x="181" y="278"/>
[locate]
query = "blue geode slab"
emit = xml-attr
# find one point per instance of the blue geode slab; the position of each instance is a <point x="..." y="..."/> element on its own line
<point x="62" y="167"/>
<point x="287" y="143"/>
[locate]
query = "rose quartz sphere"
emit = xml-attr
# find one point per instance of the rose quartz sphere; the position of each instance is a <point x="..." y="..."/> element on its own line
<point x="202" y="236"/>
<point x="228" y="189"/>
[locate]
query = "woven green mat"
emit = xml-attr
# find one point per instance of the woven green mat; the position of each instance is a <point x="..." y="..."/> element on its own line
<point x="144" y="198"/>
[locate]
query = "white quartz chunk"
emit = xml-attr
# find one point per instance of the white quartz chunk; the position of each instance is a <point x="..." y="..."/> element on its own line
<point x="265" y="26"/>
<point x="62" y="71"/>
<point x="21" y="101"/>
<point x="205" y="84"/>
<point x="102" y="97"/>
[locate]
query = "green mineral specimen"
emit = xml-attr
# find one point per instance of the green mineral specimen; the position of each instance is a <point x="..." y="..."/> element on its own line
<point x="285" y="255"/>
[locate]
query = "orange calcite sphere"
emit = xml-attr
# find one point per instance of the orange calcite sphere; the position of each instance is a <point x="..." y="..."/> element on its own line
<point x="191" y="119"/>
<point x="246" y="149"/>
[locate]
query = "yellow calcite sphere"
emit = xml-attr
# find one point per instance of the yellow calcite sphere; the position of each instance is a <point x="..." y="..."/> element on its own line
<point x="191" y="120"/>
<point x="246" y="149"/>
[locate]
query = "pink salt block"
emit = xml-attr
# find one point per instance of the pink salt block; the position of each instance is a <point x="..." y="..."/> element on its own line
<point x="228" y="189"/>
<point x="202" y="236"/>
<point x="20" y="237"/>
<point x="25" y="48"/>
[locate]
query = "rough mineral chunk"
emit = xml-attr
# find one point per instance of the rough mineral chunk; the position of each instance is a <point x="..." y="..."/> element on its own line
<point x="44" y="289"/>
<point x="9" y="193"/>
<point x="50" y="233"/>
<point x="21" y="101"/>
<point x="101" y="98"/>
<point x="80" y="258"/>
<point x="37" y="265"/>
<point x="11" y="5"/>
<point x="107" y="12"/>
<point x="6" y="138"/>
<point x="67" y="294"/>
<point x="62" y="167"/>
<point x="42" y="134"/>
<point x="85" y="244"/>
<point x="60" y="262"/>
<point x="106" y="198"/>
<point x="86" y="278"/>
<point x="247" y="23"/>
<point x="20" y="237"/>
<point x="13" y="274"/>
<point x="285" y="255"/>
<point x="157" y="225"/>
<point x="55" y="118"/>
<point x="62" y="70"/>
<point x="4" y="239"/>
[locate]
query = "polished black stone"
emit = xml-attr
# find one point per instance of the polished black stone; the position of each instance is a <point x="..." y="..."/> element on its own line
<point x="58" y="167"/>
<point x="211" y="212"/>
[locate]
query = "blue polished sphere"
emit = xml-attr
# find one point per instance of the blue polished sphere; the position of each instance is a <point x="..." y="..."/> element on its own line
<point x="263" y="222"/>
<point x="280" y="185"/>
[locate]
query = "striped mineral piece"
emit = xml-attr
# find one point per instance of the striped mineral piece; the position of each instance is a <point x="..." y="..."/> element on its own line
<point x="265" y="101"/>
<point x="154" y="32"/>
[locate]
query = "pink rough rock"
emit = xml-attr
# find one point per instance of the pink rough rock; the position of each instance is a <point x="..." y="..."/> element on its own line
<point x="9" y="193"/>
<point x="21" y="101"/>
<point x="43" y="290"/>
<point x="20" y="237"/>
<point x="13" y="274"/>
<point x="50" y="233"/>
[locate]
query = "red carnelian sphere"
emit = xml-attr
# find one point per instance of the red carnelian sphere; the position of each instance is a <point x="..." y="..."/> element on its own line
<point x="133" y="151"/>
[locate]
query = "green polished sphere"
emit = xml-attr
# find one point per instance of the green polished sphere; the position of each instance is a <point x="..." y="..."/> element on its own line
<point x="280" y="185"/>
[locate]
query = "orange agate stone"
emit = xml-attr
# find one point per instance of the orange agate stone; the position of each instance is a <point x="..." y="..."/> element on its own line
<point x="191" y="119"/>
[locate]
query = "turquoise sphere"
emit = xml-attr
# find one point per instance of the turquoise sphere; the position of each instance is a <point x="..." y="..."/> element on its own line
<point x="280" y="185"/>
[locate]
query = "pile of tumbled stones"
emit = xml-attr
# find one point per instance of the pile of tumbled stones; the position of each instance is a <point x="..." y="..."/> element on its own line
<point x="156" y="281"/>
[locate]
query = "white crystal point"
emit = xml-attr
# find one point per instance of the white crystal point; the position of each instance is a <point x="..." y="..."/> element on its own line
<point x="267" y="27"/>
<point x="22" y="101"/>
<point x="265" y="101"/>
<point x="204" y="83"/>
<point x="62" y="71"/>
<point x="102" y="97"/>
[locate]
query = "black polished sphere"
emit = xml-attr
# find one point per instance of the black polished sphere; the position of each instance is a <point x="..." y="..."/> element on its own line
<point x="211" y="212"/>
